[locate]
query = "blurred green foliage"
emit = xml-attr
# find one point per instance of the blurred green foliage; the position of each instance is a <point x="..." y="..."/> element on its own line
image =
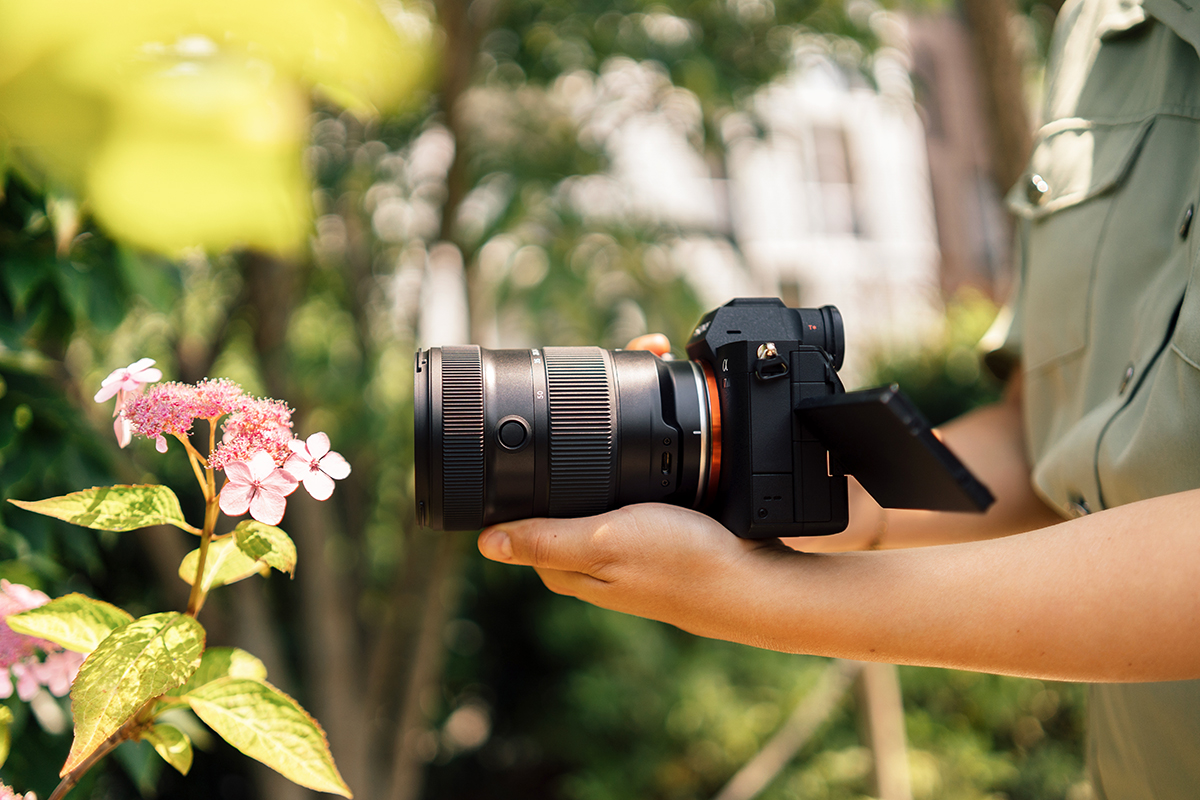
<point x="946" y="377"/>
<point x="182" y="126"/>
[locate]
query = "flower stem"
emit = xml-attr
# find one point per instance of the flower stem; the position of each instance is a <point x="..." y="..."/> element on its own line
<point x="208" y="470"/>
<point x="198" y="594"/>
<point x="195" y="459"/>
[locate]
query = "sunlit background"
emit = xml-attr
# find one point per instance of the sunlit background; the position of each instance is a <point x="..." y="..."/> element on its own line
<point x="298" y="195"/>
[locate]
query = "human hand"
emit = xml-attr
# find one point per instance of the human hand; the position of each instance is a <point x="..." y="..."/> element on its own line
<point x="656" y="343"/>
<point x="653" y="560"/>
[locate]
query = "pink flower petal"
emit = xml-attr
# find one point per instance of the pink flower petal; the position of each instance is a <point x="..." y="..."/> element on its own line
<point x="319" y="485"/>
<point x="298" y="447"/>
<point x="297" y="465"/>
<point x="318" y="445"/>
<point x="279" y="481"/>
<point x="107" y="390"/>
<point x="160" y="444"/>
<point x="141" y="364"/>
<point x="123" y="430"/>
<point x="235" y="498"/>
<point x="238" y="472"/>
<point x="261" y="465"/>
<point x="27" y="682"/>
<point x="147" y="375"/>
<point x="267" y="507"/>
<point x="6" y="685"/>
<point x="335" y="466"/>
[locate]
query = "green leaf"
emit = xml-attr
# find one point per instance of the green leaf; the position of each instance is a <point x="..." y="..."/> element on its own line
<point x="75" y="622"/>
<point x="267" y="725"/>
<point x="135" y="663"/>
<point x="225" y="564"/>
<point x="267" y="544"/>
<point x="223" y="662"/>
<point x="6" y="721"/>
<point x="172" y="744"/>
<point x="114" y="508"/>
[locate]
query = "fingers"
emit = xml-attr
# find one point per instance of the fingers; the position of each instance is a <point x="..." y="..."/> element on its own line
<point x="654" y="342"/>
<point x="570" y="545"/>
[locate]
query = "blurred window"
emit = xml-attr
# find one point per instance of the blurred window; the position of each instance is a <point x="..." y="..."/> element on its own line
<point x="835" y="181"/>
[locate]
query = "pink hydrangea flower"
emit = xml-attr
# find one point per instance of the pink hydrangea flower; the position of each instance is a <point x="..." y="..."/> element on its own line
<point x="124" y="383"/>
<point x="15" y="598"/>
<point x="259" y="486"/>
<point x="316" y="465"/>
<point x="19" y="653"/>
<point x="129" y="379"/>
<point x="169" y="408"/>
<point x="8" y="794"/>
<point x="216" y="398"/>
<point x="258" y="425"/>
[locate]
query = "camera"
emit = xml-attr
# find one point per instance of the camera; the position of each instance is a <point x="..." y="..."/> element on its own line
<point x="755" y="429"/>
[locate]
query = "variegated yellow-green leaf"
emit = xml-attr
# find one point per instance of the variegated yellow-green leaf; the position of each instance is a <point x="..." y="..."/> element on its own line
<point x="223" y="662"/>
<point x="225" y="564"/>
<point x="267" y="544"/>
<point x="135" y="663"/>
<point x="114" y="508"/>
<point x="75" y="622"/>
<point x="172" y="744"/>
<point x="6" y="719"/>
<point x="267" y="725"/>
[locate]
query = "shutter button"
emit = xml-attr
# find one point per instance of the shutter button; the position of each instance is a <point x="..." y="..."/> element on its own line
<point x="1186" y="225"/>
<point x="1037" y="189"/>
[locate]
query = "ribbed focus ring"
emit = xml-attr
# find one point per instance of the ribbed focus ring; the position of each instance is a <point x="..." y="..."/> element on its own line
<point x="579" y="389"/>
<point x="462" y="438"/>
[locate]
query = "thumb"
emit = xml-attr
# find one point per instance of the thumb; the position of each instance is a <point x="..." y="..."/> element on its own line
<point x="572" y="545"/>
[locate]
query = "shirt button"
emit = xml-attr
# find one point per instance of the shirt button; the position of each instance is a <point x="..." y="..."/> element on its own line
<point x="1078" y="507"/>
<point x="1125" y="379"/>
<point x="1186" y="224"/>
<point x="1037" y="189"/>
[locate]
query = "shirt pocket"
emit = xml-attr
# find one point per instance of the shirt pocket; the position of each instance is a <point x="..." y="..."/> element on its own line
<point x="1063" y="204"/>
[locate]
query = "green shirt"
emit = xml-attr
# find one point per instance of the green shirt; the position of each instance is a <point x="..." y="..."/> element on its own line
<point x="1108" y="320"/>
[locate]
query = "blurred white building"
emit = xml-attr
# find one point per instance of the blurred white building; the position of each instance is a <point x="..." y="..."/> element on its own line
<point x="831" y="200"/>
<point x="826" y="197"/>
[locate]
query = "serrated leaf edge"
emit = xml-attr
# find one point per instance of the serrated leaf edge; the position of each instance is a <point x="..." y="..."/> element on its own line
<point x="309" y="717"/>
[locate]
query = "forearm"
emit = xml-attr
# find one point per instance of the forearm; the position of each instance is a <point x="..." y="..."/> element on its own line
<point x="1109" y="597"/>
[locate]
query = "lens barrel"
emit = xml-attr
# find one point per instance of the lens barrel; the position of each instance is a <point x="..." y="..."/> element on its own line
<point x="556" y="431"/>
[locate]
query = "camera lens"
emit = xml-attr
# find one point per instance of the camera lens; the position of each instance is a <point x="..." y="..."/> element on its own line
<point x="558" y="431"/>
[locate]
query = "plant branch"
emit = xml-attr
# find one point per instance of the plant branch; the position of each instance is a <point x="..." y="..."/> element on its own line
<point x="124" y="733"/>
<point x="208" y="470"/>
<point x="195" y="459"/>
<point x="198" y="594"/>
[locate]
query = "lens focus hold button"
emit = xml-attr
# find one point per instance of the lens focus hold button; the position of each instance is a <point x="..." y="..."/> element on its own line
<point x="513" y="433"/>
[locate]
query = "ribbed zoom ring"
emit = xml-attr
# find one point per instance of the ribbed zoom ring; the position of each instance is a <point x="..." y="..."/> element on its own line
<point x="580" y="394"/>
<point x="462" y="438"/>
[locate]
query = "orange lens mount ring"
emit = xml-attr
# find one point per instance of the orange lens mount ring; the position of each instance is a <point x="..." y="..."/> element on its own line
<point x="714" y="432"/>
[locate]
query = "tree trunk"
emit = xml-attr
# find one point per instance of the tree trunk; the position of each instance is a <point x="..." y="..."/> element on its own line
<point x="881" y="712"/>
<point x="1001" y="70"/>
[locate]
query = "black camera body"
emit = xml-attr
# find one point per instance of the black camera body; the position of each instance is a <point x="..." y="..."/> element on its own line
<point x="776" y="476"/>
<point x="755" y="429"/>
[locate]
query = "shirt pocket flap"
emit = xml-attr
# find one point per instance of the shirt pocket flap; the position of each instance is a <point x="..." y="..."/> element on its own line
<point x="1075" y="160"/>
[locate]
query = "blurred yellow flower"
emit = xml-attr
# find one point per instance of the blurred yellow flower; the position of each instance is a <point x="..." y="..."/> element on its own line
<point x="182" y="122"/>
